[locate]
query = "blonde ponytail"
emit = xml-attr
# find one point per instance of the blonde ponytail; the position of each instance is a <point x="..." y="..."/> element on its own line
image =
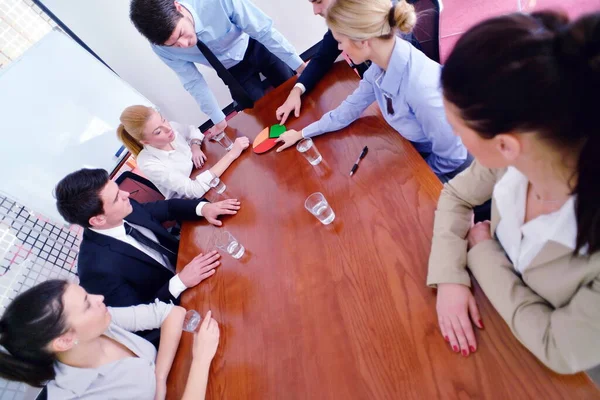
<point x="131" y="130"/>
<point x="129" y="141"/>
<point x="363" y="20"/>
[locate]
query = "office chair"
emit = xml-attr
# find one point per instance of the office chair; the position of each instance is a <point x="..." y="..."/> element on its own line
<point x="427" y="30"/>
<point x="140" y="189"/>
<point x="143" y="191"/>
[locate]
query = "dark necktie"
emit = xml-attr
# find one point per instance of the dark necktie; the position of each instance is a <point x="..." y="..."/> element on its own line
<point x="146" y="241"/>
<point x="238" y="93"/>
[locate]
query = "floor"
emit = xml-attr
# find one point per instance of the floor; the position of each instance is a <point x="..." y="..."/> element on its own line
<point x="459" y="15"/>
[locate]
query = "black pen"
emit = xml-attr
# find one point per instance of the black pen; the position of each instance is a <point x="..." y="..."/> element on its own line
<point x="363" y="153"/>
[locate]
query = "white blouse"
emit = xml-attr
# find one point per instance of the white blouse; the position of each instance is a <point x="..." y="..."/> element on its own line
<point x="127" y="378"/>
<point x="170" y="170"/>
<point x="523" y="241"/>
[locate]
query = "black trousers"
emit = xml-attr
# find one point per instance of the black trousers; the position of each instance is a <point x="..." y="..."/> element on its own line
<point x="258" y="59"/>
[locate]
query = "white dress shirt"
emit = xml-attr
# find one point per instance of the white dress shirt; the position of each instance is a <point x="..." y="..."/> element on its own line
<point x="523" y="241"/>
<point x="170" y="170"/>
<point x="127" y="378"/>
<point x="176" y="286"/>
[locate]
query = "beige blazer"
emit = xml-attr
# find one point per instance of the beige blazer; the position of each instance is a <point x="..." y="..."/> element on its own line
<point x="553" y="308"/>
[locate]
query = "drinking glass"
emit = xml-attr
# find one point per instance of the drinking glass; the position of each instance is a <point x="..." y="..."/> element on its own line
<point x="223" y="140"/>
<point x="307" y="148"/>
<point x="217" y="184"/>
<point x="317" y="205"/>
<point x="191" y="321"/>
<point x="228" y="243"/>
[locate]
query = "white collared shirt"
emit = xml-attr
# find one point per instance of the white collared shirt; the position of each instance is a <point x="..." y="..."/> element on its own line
<point x="523" y="241"/>
<point x="170" y="170"/>
<point x="176" y="286"/>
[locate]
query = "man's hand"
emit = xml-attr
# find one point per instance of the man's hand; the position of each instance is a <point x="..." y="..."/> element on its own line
<point x="216" y="129"/>
<point x="292" y="103"/>
<point x="226" y="207"/>
<point x="200" y="268"/>
<point x="288" y="138"/>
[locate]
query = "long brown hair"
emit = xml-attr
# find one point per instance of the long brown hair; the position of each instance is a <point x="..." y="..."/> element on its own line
<point x="130" y="131"/>
<point x="536" y="73"/>
<point x="30" y="323"/>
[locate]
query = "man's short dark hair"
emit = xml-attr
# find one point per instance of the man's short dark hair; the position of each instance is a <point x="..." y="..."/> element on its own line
<point x="155" y="19"/>
<point x="78" y="195"/>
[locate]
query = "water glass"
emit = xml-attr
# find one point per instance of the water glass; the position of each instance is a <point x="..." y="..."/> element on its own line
<point x="226" y="242"/>
<point x="191" y="321"/>
<point x="223" y="140"/>
<point x="217" y="184"/>
<point x="307" y="148"/>
<point x="317" y="205"/>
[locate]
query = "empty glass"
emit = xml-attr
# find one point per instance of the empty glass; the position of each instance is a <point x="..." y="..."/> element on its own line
<point x="223" y="140"/>
<point x="307" y="148"/>
<point x="217" y="184"/>
<point x="191" y="321"/>
<point x="317" y="205"/>
<point x="228" y="243"/>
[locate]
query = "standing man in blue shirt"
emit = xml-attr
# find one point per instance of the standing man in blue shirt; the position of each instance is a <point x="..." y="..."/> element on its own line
<point x="239" y="34"/>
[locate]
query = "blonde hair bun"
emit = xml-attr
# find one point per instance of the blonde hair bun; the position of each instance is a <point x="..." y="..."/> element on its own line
<point x="405" y="17"/>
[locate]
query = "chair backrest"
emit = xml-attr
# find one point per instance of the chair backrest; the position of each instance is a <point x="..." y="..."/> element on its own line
<point x="140" y="189"/>
<point x="427" y="30"/>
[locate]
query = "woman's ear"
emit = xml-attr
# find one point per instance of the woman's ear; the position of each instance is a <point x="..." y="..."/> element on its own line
<point x="63" y="343"/>
<point x="509" y="146"/>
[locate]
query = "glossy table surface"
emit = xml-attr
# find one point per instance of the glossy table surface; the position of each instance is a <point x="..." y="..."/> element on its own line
<point x="341" y="311"/>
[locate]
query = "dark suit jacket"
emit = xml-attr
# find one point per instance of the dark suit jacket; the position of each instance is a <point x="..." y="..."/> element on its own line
<point x="328" y="51"/>
<point x="124" y="275"/>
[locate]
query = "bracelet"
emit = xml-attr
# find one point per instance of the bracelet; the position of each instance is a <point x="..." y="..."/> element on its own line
<point x="196" y="141"/>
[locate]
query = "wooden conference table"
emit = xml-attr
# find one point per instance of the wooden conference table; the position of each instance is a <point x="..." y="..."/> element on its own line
<point x="341" y="311"/>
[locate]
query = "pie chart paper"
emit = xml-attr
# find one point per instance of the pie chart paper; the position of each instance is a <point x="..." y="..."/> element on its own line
<point x="263" y="143"/>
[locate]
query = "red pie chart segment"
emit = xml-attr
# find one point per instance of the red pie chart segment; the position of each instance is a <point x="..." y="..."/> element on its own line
<point x="263" y="143"/>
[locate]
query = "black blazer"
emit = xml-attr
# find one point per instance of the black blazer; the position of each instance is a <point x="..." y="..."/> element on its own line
<point x="326" y="55"/>
<point x="124" y="275"/>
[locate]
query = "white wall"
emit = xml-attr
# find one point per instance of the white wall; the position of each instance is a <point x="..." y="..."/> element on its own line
<point x="105" y="27"/>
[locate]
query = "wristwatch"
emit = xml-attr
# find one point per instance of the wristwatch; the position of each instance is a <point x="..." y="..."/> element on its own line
<point x="196" y="141"/>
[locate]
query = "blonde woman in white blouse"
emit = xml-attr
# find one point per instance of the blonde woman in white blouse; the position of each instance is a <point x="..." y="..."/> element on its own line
<point x="57" y="333"/>
<point x="167" y="152"/>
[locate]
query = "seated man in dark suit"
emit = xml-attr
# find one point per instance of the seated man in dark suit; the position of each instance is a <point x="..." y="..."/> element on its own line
<point x="126" y="254"/>
<point x="318" y="66"/>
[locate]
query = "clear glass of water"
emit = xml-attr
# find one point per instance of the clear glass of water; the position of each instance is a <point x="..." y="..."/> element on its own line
<point x="307" y="148"/>
<point x="317" y="205"/>
<point x="191" y="321"/>
<point x="223" y="140"/>
<point x="226" y="242"/>
<point x="217" y="184"/>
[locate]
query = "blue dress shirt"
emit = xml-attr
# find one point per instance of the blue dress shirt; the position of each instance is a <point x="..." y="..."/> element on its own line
<point x="412" y="82"/>
<point x="225" y="26"/>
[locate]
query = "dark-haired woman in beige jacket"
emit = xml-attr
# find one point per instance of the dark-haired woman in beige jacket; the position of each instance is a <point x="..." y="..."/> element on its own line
<point x="522" y="93"/>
